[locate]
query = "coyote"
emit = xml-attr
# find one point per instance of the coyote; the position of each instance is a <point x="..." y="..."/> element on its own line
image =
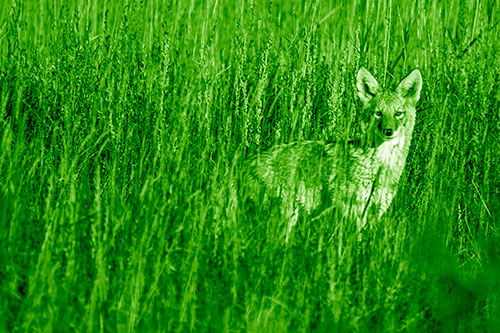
<point x="360" y="177"/>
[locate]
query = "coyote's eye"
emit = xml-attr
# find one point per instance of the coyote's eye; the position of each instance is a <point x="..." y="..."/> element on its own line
<point x="378" y="113"/>
<point x="398" y="114"/>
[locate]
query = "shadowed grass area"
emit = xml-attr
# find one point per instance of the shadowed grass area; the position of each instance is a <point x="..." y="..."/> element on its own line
<point x="119" y="126"/>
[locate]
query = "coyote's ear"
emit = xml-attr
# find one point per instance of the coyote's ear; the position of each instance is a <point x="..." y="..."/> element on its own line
<point x="410" y="87"/>
<point x="367" y="86"/>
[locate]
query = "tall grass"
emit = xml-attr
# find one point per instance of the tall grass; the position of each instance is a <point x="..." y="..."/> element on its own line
<point x="119" y="125"/>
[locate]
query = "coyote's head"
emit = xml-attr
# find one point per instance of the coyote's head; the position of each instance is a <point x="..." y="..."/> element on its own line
<point x="387" y="113"/>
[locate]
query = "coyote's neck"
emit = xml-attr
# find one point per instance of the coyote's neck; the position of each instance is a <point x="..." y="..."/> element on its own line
<point x="391" y="155"/>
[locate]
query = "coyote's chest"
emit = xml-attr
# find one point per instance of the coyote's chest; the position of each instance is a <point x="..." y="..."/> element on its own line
<point x="375" y="176"/>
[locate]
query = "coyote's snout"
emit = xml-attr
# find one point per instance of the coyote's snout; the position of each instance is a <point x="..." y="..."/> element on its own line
<point x="359" y="177"/>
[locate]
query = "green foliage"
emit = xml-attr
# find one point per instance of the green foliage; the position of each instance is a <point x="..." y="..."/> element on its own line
<point x="119" y="125"/>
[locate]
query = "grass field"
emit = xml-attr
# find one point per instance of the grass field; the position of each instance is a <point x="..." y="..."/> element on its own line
<point x="119" y="125"/>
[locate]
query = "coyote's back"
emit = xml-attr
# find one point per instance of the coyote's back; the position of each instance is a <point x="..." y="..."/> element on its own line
<point x="359" y="177"/>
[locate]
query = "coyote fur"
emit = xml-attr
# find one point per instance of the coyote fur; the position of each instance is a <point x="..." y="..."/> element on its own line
<point x="360" y="177"/>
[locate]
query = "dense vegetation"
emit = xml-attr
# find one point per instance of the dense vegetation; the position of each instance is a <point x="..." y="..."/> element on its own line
<point x="119" y="125"/>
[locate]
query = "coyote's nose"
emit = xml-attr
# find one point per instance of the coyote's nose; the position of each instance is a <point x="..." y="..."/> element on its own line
<point x="388" y="132"/>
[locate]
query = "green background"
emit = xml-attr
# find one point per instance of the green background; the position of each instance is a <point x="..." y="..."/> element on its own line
<point x="119" y="122"/>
